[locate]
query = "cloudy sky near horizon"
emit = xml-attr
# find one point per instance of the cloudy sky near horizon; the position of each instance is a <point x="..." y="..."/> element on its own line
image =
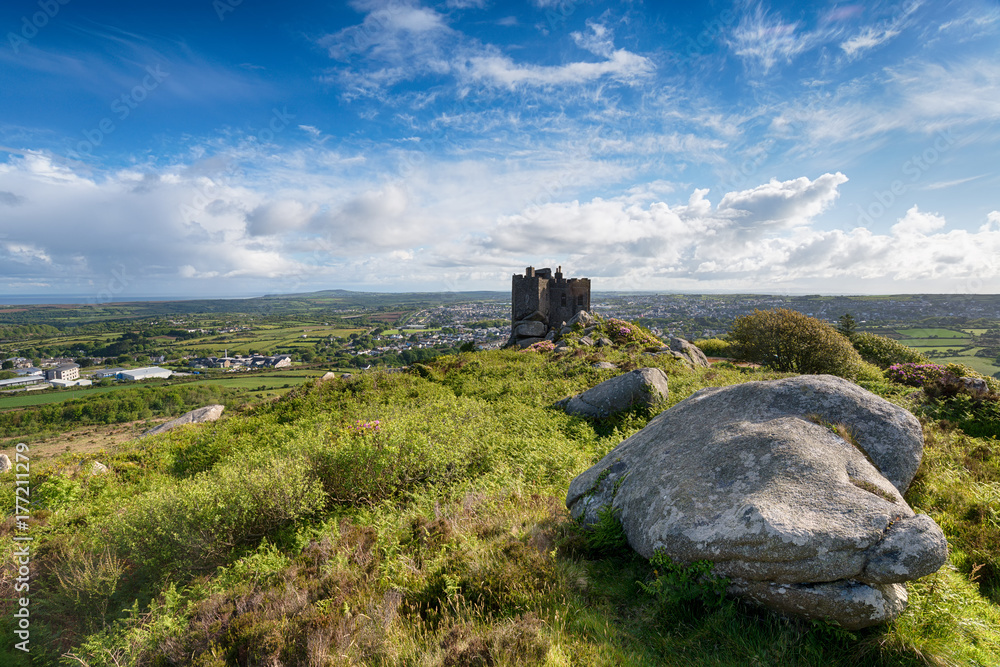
<point x="236" y="147"/>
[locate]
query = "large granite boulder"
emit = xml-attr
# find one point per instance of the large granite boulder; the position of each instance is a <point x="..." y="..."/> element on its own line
<point x="644" y="387"/>
<point x="754" y="478"/>
<point x="209" y="413"/>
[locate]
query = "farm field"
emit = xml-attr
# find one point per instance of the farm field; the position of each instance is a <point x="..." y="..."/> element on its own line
<point x="927" y="333"/>
<point x="25" y="398"/>
<point x="274" y="383"/>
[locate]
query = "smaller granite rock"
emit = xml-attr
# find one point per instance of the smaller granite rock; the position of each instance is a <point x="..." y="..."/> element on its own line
<point x="98" y="468"/>
<point x="329" y="375"/>
<point x="527" y="342"/>
<point x="691" y="352"/>
<point x="605" y="365"/>
<point x="604" y="342"/>
<point x="975" y="387"/>
<point x="5" y="464"/>
<point x="587" y="340"/>
<point x="852" y="605"/>
<point x="642" y="387"/>
<point x="550" y="335"/>
<point x="584" y="318"/>
<point x="209" y="413"/>
<point x="530" y="330"/>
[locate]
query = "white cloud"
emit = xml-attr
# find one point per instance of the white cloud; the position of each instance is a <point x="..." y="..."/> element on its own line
<point x="621" y="65"/>
<point x="277" y="217"/>
<point x="764" y="40"/>
<point x="869" y="39"/>
<point x="786" y="203"/>
<point x="915" y="223"/>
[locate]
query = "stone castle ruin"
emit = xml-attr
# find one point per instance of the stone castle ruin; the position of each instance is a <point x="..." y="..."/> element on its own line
<point x="542" y="303"/>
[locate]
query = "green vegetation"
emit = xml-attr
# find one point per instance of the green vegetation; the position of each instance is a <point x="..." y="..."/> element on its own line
<point x="418" y="518"/>
<point x="787" y="340"/>
<point x="714" y="347"/>
<point x="883" y="351"/>
<point x="125" y="405"/>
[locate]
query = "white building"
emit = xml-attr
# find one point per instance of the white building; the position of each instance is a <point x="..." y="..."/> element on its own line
<point x="70" y="383"/>
<point x="26" y="381"/>
<point x="137" y="374"/>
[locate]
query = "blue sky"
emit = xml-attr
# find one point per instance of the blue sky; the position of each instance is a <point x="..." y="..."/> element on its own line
<point x="235" y="147"/>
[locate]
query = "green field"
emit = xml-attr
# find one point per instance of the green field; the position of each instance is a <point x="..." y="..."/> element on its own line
<point x="927" y="333"/>
<point x="943" y="343"/>
<point x="26" y="398"/>
<point x="252" y="381"/>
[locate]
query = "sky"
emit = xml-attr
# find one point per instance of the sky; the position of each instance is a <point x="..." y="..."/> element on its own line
<point x="241" y="147"/>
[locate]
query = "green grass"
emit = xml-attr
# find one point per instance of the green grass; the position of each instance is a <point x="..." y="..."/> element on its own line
<point x="943" y="343"/>
<point x="981" y="364"/>
<point x="288" y="533"/>
<point x="28" y="398"/>
<point x="926" y="333"/>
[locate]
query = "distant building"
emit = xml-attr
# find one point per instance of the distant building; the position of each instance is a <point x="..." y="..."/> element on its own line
<point x="256" y="361"/>
<point x="540" y="302"/>
<point x="70" y="383"/>
<point x="25" y="381"/>
<point x="108" y="373"/>
<point x="137" y="374"/>
<point x="30" y="370"/>
<point x="63" y="372"/>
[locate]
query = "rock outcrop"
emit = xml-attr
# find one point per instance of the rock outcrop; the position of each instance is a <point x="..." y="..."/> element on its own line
<point x="643" y="387"/>
<point x="209" y="413"/>
<point x="754" y="478"/>
<point x="5" y="464"/>
<point x="689" y="352"/>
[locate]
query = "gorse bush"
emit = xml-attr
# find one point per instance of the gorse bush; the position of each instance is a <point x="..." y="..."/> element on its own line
<point x="787" y="340"/>
<point x="622" y="333"/>
<point x="200" y="522"/>
<point x="883" y="351"/>
<point x="714" y="347"/>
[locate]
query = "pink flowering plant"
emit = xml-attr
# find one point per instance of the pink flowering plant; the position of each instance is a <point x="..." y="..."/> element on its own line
<point x="362" y="427"/>
<point x="541" y="346"/>
<point x="915" y="375"/>
<point x="622" y="333"/>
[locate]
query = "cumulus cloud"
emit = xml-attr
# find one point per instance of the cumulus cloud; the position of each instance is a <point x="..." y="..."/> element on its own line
<point x="289" y="229"/>
<point x="276" y="217"/>
<point x="783" y="203"/>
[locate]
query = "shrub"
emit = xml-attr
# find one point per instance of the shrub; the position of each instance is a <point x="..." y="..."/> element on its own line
<point x="679" y="585"/>
<point x="623" y="333"/>
<point x="714" y="347"/>
<point x="789" y="341"/>
<point x="915" y="375"/>
<point x="200" y="521"/>
<point x="884" y="352"/>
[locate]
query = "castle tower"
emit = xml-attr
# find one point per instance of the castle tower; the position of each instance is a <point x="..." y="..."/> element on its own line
<point x="541" y="302"/>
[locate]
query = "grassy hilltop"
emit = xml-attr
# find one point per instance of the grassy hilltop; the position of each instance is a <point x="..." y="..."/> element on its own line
<point x="418" y="519"/>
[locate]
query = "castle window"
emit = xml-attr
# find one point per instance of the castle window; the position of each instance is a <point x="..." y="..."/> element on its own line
<point x="564" y="299"/>
<point x="579" y="300"/>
